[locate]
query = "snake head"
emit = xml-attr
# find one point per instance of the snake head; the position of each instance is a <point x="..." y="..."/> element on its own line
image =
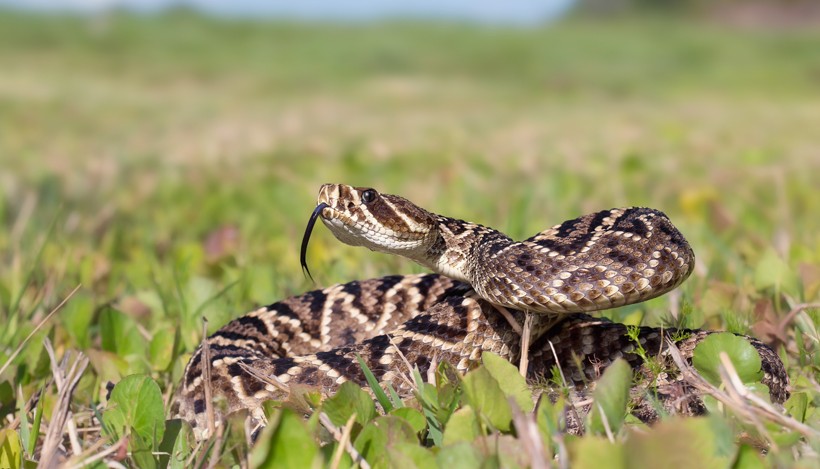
<point x="362" y="216"/>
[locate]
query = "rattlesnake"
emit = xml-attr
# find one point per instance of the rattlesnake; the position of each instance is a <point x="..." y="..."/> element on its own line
<point x="594" y="262"/>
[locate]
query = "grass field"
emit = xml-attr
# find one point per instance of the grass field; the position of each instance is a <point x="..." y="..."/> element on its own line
<point x="166" y="166"/>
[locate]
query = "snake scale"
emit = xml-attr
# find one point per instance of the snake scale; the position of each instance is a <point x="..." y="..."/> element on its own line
<point x="594" y="262"/>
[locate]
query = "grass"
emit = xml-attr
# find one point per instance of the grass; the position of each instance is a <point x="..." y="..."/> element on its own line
<point x="167" y="166"/>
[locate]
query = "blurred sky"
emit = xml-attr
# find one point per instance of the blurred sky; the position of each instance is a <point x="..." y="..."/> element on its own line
<point x="521" y="12"/>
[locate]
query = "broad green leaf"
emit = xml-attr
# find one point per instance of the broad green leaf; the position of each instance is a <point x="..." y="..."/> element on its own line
<point x="76" y="317"/>
<point x="549" y="417"/>
<point x="797" y="404"/>
<point x="380" y="435"/>
<point x="136" y="403"/>
<point x="462" y="427"/>
<point x="785" y="438"/>
<point x="175" y="444"/>
<point x="758" y="388"/>
<point x="349" y="399"/>
<point x="593" y="452"/>
<point x="505" y="451"/>
<point x="486" y="397"/>
<point x="459" y="456"/>
<point x="286" y="443"/>
<point x="108" y="365"/>
<point x="411" y="416"/>
<point x="142" y="451"/>
<point x="410" y="455"/>
<point x="161" y="349"/>
<point x="509" y="379"/>
<point x="772" y="271"/>
<point x="120" y="335"/>
<point x="11" y="451"/>
<point x="682" y="442"/>
<point x="7" y="403"/>
<point x="610" y="398"/>
<point x="744" y="357"/>
<point x="748" y="457"/>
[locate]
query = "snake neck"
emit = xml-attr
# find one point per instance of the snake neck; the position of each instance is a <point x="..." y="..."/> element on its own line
<point x="460" y="247"/>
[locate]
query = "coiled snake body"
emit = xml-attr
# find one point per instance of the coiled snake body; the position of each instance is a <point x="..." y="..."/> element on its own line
<point x="598" y="261"/>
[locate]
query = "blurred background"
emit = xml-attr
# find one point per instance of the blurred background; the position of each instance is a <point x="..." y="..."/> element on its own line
<point x="166" y="155"/>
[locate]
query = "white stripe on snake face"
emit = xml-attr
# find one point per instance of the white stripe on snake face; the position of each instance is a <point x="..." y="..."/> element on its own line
<point x="412" y="226"/>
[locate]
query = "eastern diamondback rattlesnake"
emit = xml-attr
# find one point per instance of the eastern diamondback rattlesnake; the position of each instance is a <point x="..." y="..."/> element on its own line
<point x="598" y="261"/>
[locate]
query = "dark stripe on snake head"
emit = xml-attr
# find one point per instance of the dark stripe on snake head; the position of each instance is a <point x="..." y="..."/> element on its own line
<point x="387" y="216"/>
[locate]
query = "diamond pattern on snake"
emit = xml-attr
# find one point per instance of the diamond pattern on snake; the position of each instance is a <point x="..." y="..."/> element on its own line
<point x="597" y="261"/>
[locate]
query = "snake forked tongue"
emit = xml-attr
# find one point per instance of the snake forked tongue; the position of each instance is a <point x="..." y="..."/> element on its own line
<point x="306" y="237"/>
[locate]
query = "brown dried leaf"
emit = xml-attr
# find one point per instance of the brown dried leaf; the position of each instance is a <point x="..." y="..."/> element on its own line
<point x="767" y="325"/>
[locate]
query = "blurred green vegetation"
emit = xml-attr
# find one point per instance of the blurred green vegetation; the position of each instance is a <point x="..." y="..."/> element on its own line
<point x="168" y="164"/>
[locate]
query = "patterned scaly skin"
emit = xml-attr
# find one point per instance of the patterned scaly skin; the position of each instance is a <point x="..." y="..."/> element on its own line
<point x="598" y="261"/>
<point x="312" y="340"/>
<point x="594" y="262"/>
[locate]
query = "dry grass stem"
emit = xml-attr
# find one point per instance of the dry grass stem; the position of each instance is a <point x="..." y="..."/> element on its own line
<point x="66" y="378"/>
<point x="431" y="372"/>
<point x="527" y="430"/>
<point x="558" y="364"/>
<point x="738" y="392"/>
<point x="218" y="442"/>
<point x="206" y="378"/>
<point x="563" y="453"/>
<point x="573" y="406"/>
<point x="746" y="402"/>
<point x="791" y="315"/>
<point x="407" y="379"/>
<point x="338" y="435"/>
<point x="264" y="377"/>
<point x="71" y="428"/>
<point x="337" y="454"/>
<point x="102" y="454"/>
<point x="526" y="336"/>
<point x="605" y="421"/>
<point x="510" y="318"/>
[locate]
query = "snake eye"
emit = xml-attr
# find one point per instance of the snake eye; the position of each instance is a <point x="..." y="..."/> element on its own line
<point x="368" y="196"/>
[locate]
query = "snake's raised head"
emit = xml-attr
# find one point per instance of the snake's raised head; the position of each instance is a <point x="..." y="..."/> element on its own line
<point x="361" y="216"/>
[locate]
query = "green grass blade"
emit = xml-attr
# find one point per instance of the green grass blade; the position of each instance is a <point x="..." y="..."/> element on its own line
<point x="25" y="433"/>
<point x="35" y="426"/>
<point x="394" y="396"/>
<point x="30" y="274"/>
<point x="374" y="385"/>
